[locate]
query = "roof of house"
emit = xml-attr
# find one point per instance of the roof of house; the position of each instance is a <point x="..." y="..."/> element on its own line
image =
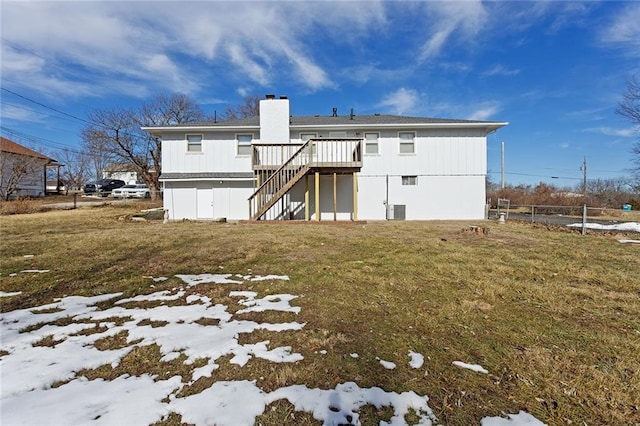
<point x="7" y="145"/>
<point x="310" y="121"/>
<point x="328" y="120"/>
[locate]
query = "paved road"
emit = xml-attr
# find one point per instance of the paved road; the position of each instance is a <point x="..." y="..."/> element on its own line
<point x="86" y="202"/>
<point x="559" y="220"/>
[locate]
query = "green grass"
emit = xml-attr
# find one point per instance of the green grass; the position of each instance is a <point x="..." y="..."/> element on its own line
<point x="554" y="316"/>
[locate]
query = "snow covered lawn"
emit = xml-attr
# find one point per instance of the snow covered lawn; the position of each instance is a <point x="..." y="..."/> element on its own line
<point x="47" y="351"/>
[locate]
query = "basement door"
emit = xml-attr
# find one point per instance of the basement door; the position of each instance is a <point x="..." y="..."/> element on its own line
<point x="204" y="200"/>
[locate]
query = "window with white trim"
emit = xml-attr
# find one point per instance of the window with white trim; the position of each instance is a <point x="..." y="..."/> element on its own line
<point x="371" y="143"/>
<point x="244" y="144"/>
<point x="304" y="137"/>
<point x="409" y="180"/>
<point x="407" y="142"/>
<point x="194" y="143"/>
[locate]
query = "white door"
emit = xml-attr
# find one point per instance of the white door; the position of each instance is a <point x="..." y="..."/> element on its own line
<point x="221" y="208"/>
<point x="204" y="201"/>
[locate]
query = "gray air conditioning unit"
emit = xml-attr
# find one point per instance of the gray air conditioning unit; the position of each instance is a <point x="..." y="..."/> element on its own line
<point x="396" y="211"/>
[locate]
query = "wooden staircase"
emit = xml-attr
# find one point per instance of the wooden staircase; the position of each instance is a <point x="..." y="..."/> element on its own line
<point x="316" y="155"/>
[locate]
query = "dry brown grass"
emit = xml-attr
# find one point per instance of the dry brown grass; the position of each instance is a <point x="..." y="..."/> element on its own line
<point x="553" y="316"/>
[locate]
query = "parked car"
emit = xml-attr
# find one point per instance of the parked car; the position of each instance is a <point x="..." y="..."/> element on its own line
<point x="103" y="187"/>
<point x="132" y="191"/>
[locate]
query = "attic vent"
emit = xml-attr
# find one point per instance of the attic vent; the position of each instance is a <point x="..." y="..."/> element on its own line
<point x="283" y="97"/>
<point x="377" y="114"/>
<point x="335" y="112"/>
<point x="270" y="96"/>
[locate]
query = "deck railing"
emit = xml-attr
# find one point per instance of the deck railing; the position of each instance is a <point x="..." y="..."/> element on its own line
<point x="276" y="178"/>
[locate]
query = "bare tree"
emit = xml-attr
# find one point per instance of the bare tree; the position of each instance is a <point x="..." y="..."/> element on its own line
<point x="629" y="108"/>
<point x="249" y="108"/>
<point x="76" y="168"/>
<point x="17" y="171"/>
<point x="116" y="133"/>
<point x="611" y="193"/>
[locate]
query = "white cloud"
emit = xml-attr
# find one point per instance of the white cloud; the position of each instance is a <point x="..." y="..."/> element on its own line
<point x="175" y="47"/>
<point x="485" y="111"/>
<point x="610" y="131"/>
<point x="18" y="113"/>
<point x="500" y="70"/>
<point x="400" y="101"/>
<point x="464" y="18"/>
<point x="624" y="29"/>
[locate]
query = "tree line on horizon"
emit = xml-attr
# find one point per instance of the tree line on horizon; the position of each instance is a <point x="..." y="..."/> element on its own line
<point x="114" y="136"/>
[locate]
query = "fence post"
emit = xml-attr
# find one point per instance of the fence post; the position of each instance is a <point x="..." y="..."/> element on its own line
<point x="533" y="208"/>
<point x="584" y="219"/>
<point x="75" y="198"/>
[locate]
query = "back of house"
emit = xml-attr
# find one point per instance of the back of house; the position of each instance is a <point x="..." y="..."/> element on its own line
<point x="276" y="166"/>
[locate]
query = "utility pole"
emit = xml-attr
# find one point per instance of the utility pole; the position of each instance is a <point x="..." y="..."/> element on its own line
<point x="584" y="194"/>
<point x="583" y="169"/>
<point x="502" y="174"/>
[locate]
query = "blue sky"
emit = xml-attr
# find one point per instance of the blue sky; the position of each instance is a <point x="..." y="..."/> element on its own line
<point x="554" y="70"/>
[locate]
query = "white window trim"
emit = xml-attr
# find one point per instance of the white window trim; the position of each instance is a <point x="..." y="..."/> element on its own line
<point x="377" y="143"/>
<point x="313" y="136"/>
<point x="186" y="138"/>
<point x="409" y="179"/>
<point x="238" y="144"/>
<point x="413" y="143"/>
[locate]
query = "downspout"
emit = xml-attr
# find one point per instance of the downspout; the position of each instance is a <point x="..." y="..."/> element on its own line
<point x="386" y="199"/>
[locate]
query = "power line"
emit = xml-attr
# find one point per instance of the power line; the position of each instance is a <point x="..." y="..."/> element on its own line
<point x="41" y="141"/>
<point x="31" y="110"/>
<point x="542" y="176"/>
<point x="46" y="106"/>
<point x="134" y="136"/>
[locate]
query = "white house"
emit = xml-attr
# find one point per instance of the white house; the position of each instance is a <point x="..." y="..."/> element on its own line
<point x="336" y="167"/>
<point x="23" y="171"/>
<point x="125" y="172"/>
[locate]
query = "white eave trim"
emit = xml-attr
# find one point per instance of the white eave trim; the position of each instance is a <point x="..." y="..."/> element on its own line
<point x="197" y="179"/>
<point x="196" y="128"/>
<point x="488" y="125"/>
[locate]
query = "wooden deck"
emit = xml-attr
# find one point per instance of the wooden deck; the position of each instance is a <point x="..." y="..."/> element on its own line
<point x="278" y="167"/>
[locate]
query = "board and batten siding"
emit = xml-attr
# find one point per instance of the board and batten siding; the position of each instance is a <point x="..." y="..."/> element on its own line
<point x="437" y="153"/>
<point x="207" y="199"/>
<point x="450" y="169"/>
<point x="219" y="153"/>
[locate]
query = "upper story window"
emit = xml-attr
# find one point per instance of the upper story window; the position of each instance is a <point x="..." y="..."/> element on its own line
<point x="409" y="180"/>
<point x="194" y="143"/>
<point x="371" y="143"/>
<point x="407" y="142"/>
<point x="304" y="137"/>
<point x="337" y="135"/>
<point x="244" y="144"/>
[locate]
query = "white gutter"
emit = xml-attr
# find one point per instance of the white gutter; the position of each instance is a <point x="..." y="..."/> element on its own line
<point x="204" y="178"/>
<point x="488" y="125"/>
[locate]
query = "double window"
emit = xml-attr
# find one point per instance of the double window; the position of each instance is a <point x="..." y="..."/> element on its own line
<point x="244" y="144"/>
<point x="407" y="142"/>
<point x="194" y="143"/>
